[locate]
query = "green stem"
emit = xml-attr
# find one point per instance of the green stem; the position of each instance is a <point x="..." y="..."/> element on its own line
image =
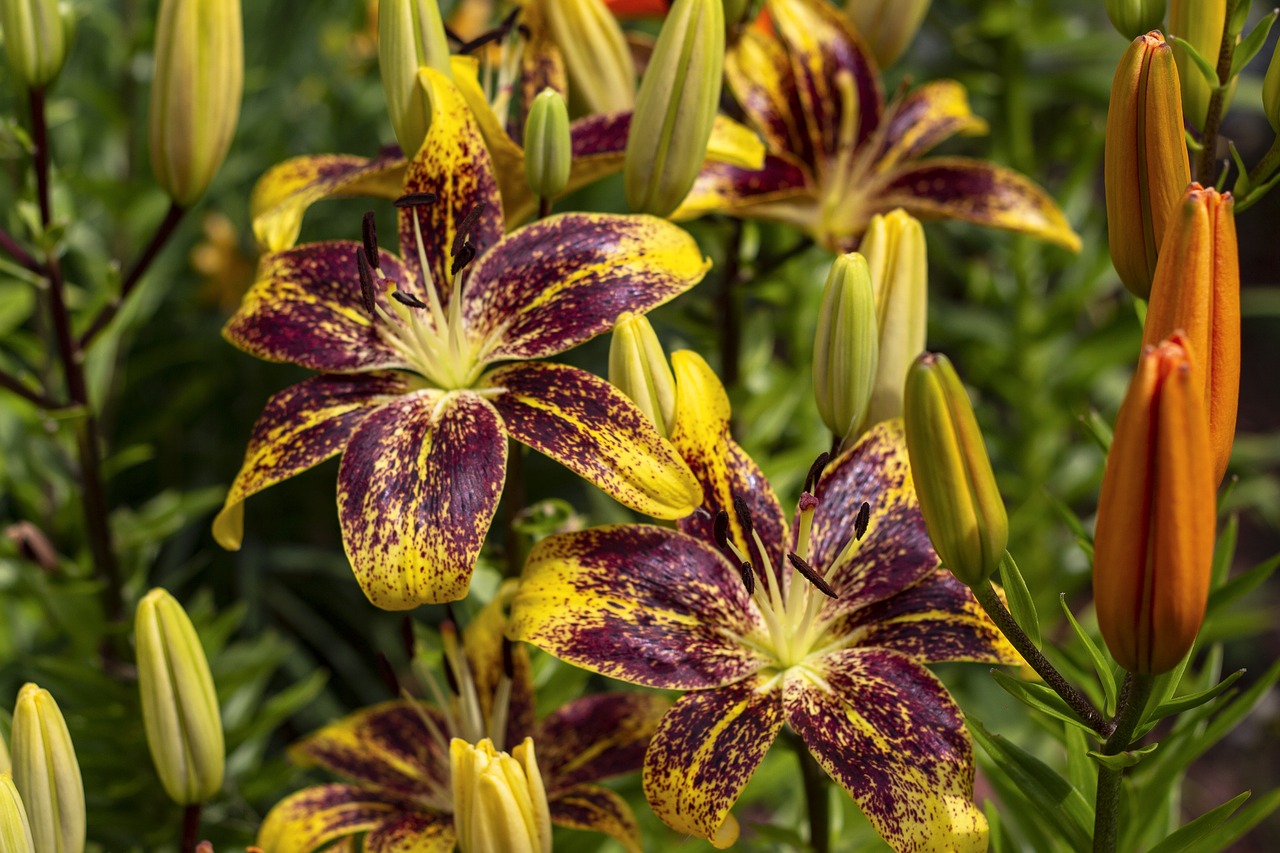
<point x="729" y="309"/>
<point x="1133" y="701"/>
<point x="544" y="207"/>
<point x="11" y="247"/>
<point x="513" y="499"/>
<point x="1206" y="161"/>
<point x="817" y="801"/>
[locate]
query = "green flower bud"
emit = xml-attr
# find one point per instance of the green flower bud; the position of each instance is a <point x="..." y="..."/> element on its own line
<point x="410" y="35"/>
<point x="47" y="774"/>
<point x="195" y="97"/>
<point x="1200" y="22"/>
<point x="179" y="705"/>
<point x="35" y="38"/>
<point x="6" y="766"/>
<point x="1271" y="91"/>
<point x="962" y="508"/>
<point x="677" y="104"/>
<point x="895" y="252"/>
<point x="15" y="829"/>
<point x="845" y="349"/>
<point x="597" y="60"/>
<point x="638" y="367"/>
<point x="1132" y="18"/>
<point x="548" y="150"/>
<point x="887" y="26"/>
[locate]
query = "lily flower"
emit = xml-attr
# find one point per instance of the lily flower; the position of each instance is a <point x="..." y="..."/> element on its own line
<point x="396" y="755"/>
<point x="837" y="154"/>
<point x="824" y="625"/>
<point x="411" y="392"/>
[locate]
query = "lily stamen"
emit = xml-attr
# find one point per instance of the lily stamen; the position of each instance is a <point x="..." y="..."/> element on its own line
<point x="369" y="233"/>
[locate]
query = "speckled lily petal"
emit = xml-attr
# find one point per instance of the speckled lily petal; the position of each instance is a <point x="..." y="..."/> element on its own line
<point x="759" y="74"/>
<point x="596" y="809"/>
<point x="506" y="153"/>
<point x="300" y="427"/>
<point x="724" y="187"/>
<point x="305" y="308"/>
<point x="597" y="737"/>
<point x="890" y="734"/>
<point x="281" y="196"/>
<point x="565" y="279"/>
<point x="541" y="62"/>
<point x="483" y="640"/>
<point x="979" y="192"/>
<point x="313" y="817"/>
<point x="638" y="603"/>
<point x="417" y="832"/>
<point x="417" y="488"/>
<point x="705" y="751"/>
<point x="924" y="118"/>
<point x="594" y="430"/>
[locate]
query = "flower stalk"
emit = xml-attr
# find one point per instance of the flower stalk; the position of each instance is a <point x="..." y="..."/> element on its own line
<point x="1206" y="160"/>
<point x="1133" y="701"/>
<point x="817" y="799"/>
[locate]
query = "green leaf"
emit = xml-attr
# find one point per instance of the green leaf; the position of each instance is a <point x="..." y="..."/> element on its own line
<point x="1240" y="586"/>
<point x="1224" y="551"/>
<point x="1038" y="696"/>
<point x="1125" y="759"/>
<point x="1207" y="70"/>
<point x="1021" y="605"/>
<point x="1248" y="49"/>
<point x="1081" y="772"/>
<point x="1101" y="665"/>
<point x="1242" y="185"/>
<point x="1191" y="836"/>
<point x="1195" y="700"/>
<point x="1238" y="19"/>
<point x="1241" y="822"/>
<point x="1096" y="427"/>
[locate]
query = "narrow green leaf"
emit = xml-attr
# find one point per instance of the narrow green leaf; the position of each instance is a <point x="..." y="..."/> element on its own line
<point x="1248" y="49"/>
<point x="1241" y="822"/>
<point x="1207" y="70"/>
<point x="1101" y="664"/>
<point x="1124" y="759"/>
<point x="1081" y="772"/>
<point x="1224" y="550"/>
<point x="1096" y="427"/>
<point x="1240" y="586"/>
<point x="1195" y="700"/>
<point x="1189" y="837"/>
<point x="1037" y="696"/>
<point x="1021" y="604"/>
<point x="1239" y="18"/>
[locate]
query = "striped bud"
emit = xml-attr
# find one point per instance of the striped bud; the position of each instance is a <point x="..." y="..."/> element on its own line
<point x="410" y="36"/>
<point x="46" y="773"/>
<point x="499" y="802"/>
<point x="887" y="26"/>
<point x="1145" y="166"/>
<point x="676" y="108"/>
<point x="548" y="150"/>
<point x="1197" y="291"/>
<point x="1153" y="549"/>
<point x="35" y="39"/>
<point x="179" y="705"/>
<point x="1271" y="91"/>
<point x="962" y="508"/>
<point x="1132" y="18"/>
<point x="1200" y="22"/>
<point x="895" y="252"/>
<point x="845" y="349"/>
<point x="6" y="765"/>
<point x="638" y="367"/>
<point x="602" y="76"/>
<point x="15" y="829"/>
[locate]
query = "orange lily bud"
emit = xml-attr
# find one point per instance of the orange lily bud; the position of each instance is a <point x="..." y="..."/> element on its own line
<point x="1146" y="168"/>
<point x="1197" y="290"/>
<point x="1153" y="549"/>
<point x="1200" y="22"/>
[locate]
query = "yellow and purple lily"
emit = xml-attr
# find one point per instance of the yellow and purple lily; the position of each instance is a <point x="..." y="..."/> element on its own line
<point x="838" y="155"/>
<point x="395" y="755"/>
<point x="824" y="626"/>
<point x="430" y="362"/>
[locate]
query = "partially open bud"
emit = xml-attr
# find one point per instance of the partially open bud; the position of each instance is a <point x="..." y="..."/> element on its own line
<point x="1271" y="91"/>
<point x="895" y="252"/>
<point x="46" y="773"/>
<point x="1197" y="292"/>
<point x="410" y="36"/>
<point x="845" y="349"/>
<point x="15" y="829"/>
<point x="887" y="26"/>
<point x="676" y="107"/>
<point x="602" y="76"/>
<point x="1145" y="167"/>
<point x="1199" y="22"/>
<point x="35" y="38"/>
<point x="548" y="152"/>
<point x="179" y="705"/>
<point x="499" y="802"/>
<point x="962" y="508"/>
<point x="1153" y="549"/>
<point x="638" y="367"/>
<point x="1132" y="18"/>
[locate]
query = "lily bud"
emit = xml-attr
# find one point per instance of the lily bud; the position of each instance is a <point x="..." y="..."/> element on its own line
<point x="895" y="252"/>
<point x="602" y="76"/>
<point x="35" y="38"/>
<point x="1145" y="166"/>
<point x="15" y="829"/>
<point x="638" y="367"/>
<point x="410" y="35"/>
<point x="1199" y="22"/>
<point x="46" y="773"/>
<point x="1197" y="291"/>
<point x="548" y="150"/>
<point x="1132" y="18"/>
<point x="499" y="802"/>
<point x="1153" y="549"/>
<point x="845" y="349"/>
<point x="962" y="508"/>
<point x="1271" y="91"/>
<point x="677" y="105"/>
<point x="887" y="26"/>
<point x="6" y="765"/>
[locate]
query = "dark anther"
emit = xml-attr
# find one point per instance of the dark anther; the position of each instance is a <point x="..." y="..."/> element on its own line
<point x="748" y="577"/>
<point x="815" y="471"/>
<point x="369" y="232"/>
<point x="388" y="674"/>
<point x="720" y="530"/>
<point x="407" y="638"/>
<point x="463" y="258"/>
<point x="493" y="35"/>
<point x="464" y="228"/>
<point x="407" y="299"/>
<point x="508" y="658"/>
<point x="744" y="514"/>
<point x="811" y="576"/>
<point x="415" y="199"/>
<point x="366" y="282"/>
<point x="452" y="36"/>
<point x="451" y="677"/>
<point x="860" y="523"/>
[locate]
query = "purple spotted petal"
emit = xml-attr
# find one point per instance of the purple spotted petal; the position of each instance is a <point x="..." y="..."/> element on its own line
<point x="759" y="73"/>
<point x="924" y="118"/>
<point x="779" y="190"/>
<point x="598" y="810"/>
<point x="420" y="832"/>
<point x="314" y="817"/>
<point x="596" y="737"/>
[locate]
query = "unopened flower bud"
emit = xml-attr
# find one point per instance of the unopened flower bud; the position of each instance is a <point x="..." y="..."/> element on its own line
<point x="195" y="96"/>
<point x="1200" y="23"/>
<point x="845" y="349"/>
<point x="1271" y="91"/>
<point x="1132" y="18"/>
<point x="962" y="508"/>
<point x="46" y="773"/>
<point x="410" y="36"/>
<point x="499" y="802"/>
<point x="179" y="704"/>
<point x="35" y="38"/>
<point x="1145" y="165"/>
<point x="895" y="252"/>
<point x="6" y="765"/>
<point x="15" y="829"/>
<point x="676" y="107"/>
<point x="887" y="26"/>
<point x="638" y="367"/>
<point x="1153" y="549"/>
<point x="602" y="77"/>
<point x="548" y="150"/>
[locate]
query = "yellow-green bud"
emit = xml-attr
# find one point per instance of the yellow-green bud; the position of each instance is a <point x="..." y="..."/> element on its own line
<point x="845" y="350"/>
<point x="410" y="35"/>
<point x="639" y="368"/>
<point x="195" y="96"/>
<point x="677" y="105"/>
<point x="499" y="801"/>
<point x="548" y="152"/>
<point x="887" y="26"/>
<point x="602" y="76"/>
<point x="1132" y="18"/>
<point x="962" y="508"/>
<point x="6" y="766"/>
<point x="15" y="829"/>
<point x="1271" y="91"/>
<point x="35" y="38"/>
<point x="1199" y="22"/>
<point x="46" y="773"/>
<point x="895" y="252"/>
<point x="179" y="705"/>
